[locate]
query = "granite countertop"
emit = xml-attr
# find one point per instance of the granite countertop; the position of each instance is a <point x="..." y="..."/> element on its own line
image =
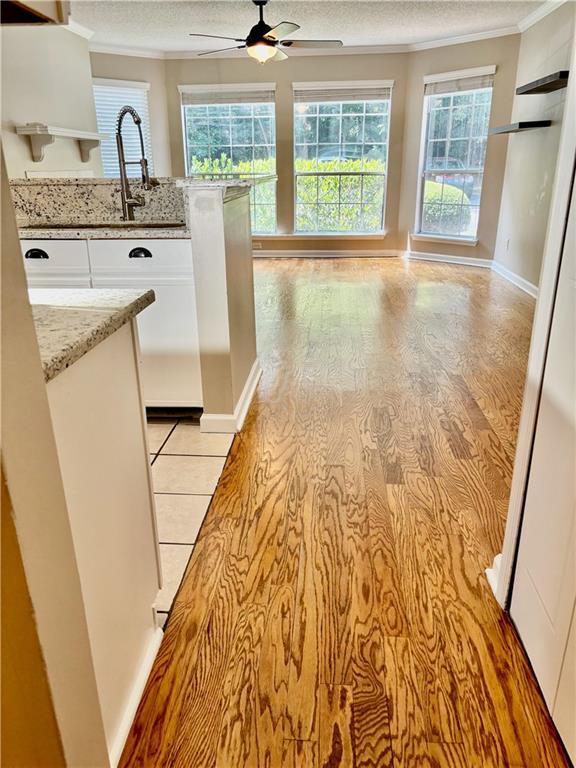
<point x="226" y="181"/>
<point x="229" y="188"/>
<point x="72" y="321"/>
<point x="180" y="232"/>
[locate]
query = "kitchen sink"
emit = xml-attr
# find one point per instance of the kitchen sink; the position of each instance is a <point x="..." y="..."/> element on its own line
<point x="111" y="225"/>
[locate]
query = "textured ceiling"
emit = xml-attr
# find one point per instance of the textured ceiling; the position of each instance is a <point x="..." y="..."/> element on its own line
<point x="163" y="24"/>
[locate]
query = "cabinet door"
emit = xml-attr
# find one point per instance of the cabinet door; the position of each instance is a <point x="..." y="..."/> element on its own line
<point x="56" y="263"/>
<point x="168" y="335"/>
<point x="151" y="256"/>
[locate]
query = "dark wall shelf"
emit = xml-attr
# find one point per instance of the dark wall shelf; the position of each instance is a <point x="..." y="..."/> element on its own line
<point x="524" y="125"/>
<point x="553" y="82"/>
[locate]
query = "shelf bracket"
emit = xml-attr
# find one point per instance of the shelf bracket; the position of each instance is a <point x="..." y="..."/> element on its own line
<point x="86" y="147"/>
<point x="38" y="143"/>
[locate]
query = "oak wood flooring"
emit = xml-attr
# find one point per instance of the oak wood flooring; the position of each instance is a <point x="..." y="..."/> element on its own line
<point x="335" y="611"/>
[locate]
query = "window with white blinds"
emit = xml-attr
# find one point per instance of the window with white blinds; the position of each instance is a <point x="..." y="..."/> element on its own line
<point x="109" y="97"/>
<point x="231" y="130"/>
<point x="341" y="155"/>
<point x="456" y="114"/>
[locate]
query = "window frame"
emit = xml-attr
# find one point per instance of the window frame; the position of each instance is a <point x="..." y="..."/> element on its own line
<point x="333" y="87"/>
<point x="140" y="85"/>
<point x="417" y="233"/>
<point x="243" y="90"/>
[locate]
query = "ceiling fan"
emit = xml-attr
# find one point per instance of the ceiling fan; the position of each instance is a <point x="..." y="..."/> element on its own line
<point x="263" y="41"/>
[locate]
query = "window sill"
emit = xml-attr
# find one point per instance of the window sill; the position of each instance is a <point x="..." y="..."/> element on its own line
<point x="321" y="236"/>
<point x="470" y="241"/>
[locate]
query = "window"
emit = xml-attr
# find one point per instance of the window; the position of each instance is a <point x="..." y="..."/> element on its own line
<point x="457" y="113"/>
<point x="340" y="156"/>
<point x="110" y="96"/>
<point x="232" y="131"/>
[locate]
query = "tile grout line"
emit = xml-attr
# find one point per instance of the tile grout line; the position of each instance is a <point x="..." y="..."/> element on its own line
<point x="168" y="436"/>
<point x="198" y="455"/>
<point x="210" y="496"/>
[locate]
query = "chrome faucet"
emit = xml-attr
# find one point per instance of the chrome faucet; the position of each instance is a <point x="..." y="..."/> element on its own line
<point x="130" y="201"/>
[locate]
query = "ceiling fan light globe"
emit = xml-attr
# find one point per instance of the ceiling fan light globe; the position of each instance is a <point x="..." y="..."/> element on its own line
<point x="262" y="52"/>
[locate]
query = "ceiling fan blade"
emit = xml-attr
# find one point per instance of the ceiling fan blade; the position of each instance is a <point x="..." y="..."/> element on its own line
<point x="312" y="43"/>
<point x="220" y="50"/>
<point x="282" y="30"/>
<point x="279" y="56"/>
<point x="216" y="37"/>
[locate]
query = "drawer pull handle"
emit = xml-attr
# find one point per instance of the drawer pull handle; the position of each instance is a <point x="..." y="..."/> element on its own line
<point x="35" y="253"/>
<point x="139" y="253"/>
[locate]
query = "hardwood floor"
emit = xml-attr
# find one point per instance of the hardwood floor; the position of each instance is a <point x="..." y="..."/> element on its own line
<point x="335" y="611"/>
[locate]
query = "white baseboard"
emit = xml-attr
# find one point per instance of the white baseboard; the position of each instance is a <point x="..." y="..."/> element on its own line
<point x="232" y="422"/>
<point x="331" y="254"/>
<point x="493" y="573"/>
<point x="116" y="748"/>
<point x="466" y="261"/>
<point x="495" y="266"/>
<point x="512" y="277"/>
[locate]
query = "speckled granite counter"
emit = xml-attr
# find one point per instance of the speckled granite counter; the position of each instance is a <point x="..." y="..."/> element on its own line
<point x="70" y="322"/>
<point x="105" y="233"/>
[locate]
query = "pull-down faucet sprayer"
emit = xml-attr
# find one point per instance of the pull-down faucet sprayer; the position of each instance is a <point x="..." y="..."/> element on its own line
<point x="130" y="201"/>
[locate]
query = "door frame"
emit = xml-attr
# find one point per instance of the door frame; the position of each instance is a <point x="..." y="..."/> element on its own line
<point x="501" y="574"/>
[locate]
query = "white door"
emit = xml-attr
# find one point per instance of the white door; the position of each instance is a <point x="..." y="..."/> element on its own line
<point x="544" y="588"/>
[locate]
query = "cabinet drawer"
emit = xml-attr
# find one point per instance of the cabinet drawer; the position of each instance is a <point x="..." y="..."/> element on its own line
<point x="56" y="258"/>
<point x="125" y="257"/>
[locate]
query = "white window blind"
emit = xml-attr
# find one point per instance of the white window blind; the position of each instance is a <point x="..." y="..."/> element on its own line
<point x="364" y="90"/>
<point x="240" y="93"/>
<point x="459" y="85"/>
<point x="457" y="115"/>
<point x="109" y="98"/>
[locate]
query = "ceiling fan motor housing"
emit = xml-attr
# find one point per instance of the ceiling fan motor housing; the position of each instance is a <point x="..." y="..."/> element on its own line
<point x="256" y="34"/>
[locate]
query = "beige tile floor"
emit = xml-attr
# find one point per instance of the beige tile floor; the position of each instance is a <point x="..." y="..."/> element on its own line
<point x="186" y="466"/>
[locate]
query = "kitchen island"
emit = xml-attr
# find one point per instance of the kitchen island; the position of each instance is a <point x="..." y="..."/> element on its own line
<point x="89" y="351"/>
<point x="199" y="340"/>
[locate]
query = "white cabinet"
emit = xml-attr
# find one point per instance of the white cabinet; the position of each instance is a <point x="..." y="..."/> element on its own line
<point x="168" y="330"/>
<point x="56" y="263"/>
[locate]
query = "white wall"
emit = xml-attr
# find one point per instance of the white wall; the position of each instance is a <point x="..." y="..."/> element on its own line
<point x="46" y="78"/>
<point x="531" y="160"/>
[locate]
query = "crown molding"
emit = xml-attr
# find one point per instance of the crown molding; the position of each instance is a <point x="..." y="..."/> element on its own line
<point x="354" y="50"/>
<point x="79" y="29"/>
<point x="540" y="13"/>
<point x="120" y="50"/>
<point x="462" y="39"/>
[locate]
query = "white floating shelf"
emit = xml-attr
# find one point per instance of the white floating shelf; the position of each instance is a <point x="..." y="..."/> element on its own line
<point x="40" y="135"/>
